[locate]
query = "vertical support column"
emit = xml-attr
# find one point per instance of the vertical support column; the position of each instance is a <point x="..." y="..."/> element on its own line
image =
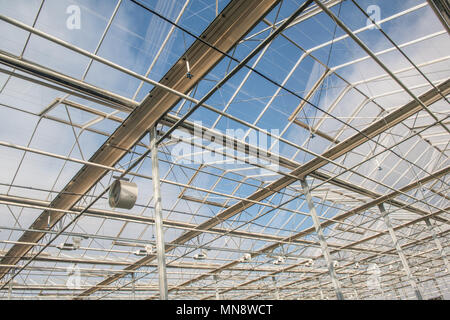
<point x="397" y="295"/>
<point x="354" y="289"/>
<point x="10" y="290"/>
<point x="400" y="253"/>
<point x="436" y="284"/>
<point x="216" y="278"/>
<point x="319" y="285"/>
<point x="10" y="284"/>
<point x="405" y="293"/>
<point x="277" y="290"/>
<point x="133" y="284"/>
<point x="160" y="250"/>
<point x="323" y="243"/>
<point x="217" y="294"/>
<point x="322" y="296"/>
<point x="438" y="243"/>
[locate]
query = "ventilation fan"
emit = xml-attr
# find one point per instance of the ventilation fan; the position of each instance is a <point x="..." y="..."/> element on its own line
<point x="123" y="194"/>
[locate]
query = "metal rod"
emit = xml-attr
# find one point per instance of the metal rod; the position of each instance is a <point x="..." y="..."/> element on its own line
<point x="133" y="284"/>
<point x="86" y="53"/>
<point x="442" y="17"/>
<point x="10" y="288"/>
<point x="323" y="242"/>
<point x="216" y="278"/>
<point x="400" y="252"/>
<point x="160" y="249"/>
<point x="267" y="41"/>
<point x="282" y="139"/>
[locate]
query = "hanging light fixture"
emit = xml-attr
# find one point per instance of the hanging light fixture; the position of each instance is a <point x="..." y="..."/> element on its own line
<point x="201" y="255"/>
<point x="309" y="262"/>
<point x="66" y="246"/>
<point x="246" y="257"/>
<point x="148" y="250"/>
<point x="279" y="260"/>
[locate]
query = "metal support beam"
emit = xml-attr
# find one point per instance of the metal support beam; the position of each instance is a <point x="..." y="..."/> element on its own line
<point x="400" y="252"/>
<point x="436" y="284"/>
<point x="217" y="294"/>
<point x="277" y="290"/>
<point x="133" y="284"/>
<point x="10" y="288"/>
<point x="241" y="16"/>
<point x="216" y="220"/>
<point x="216" y="279"/>
<point x="325" y="224"/>
<point x="114" y="215"/>
<point x="356" y="297"/>
<point x="442" y="11"/>
<point x="170" y="120"/>
<point x="302" y="175"/>
<point x="438" y="243"/>
<point x="67" y="84"/>
<point x="160" y="249"/>
<point x="308" y="96"/>
<point x="367" y="259"/>
<point x="323" y="242"/>
<point x="345" y="146"/>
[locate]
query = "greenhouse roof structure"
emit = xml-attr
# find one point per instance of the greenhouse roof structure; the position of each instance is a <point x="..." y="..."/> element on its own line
<point x="228" y="149"/>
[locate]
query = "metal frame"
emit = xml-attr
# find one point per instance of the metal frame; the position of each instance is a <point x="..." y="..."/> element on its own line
<point x="355" y="160"/>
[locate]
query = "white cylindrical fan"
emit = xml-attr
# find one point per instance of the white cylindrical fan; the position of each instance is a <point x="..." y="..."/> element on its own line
<point x="123" y="194"/>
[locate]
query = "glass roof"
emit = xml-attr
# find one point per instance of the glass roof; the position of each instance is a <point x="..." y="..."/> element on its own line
<point x="356" y="111"/>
